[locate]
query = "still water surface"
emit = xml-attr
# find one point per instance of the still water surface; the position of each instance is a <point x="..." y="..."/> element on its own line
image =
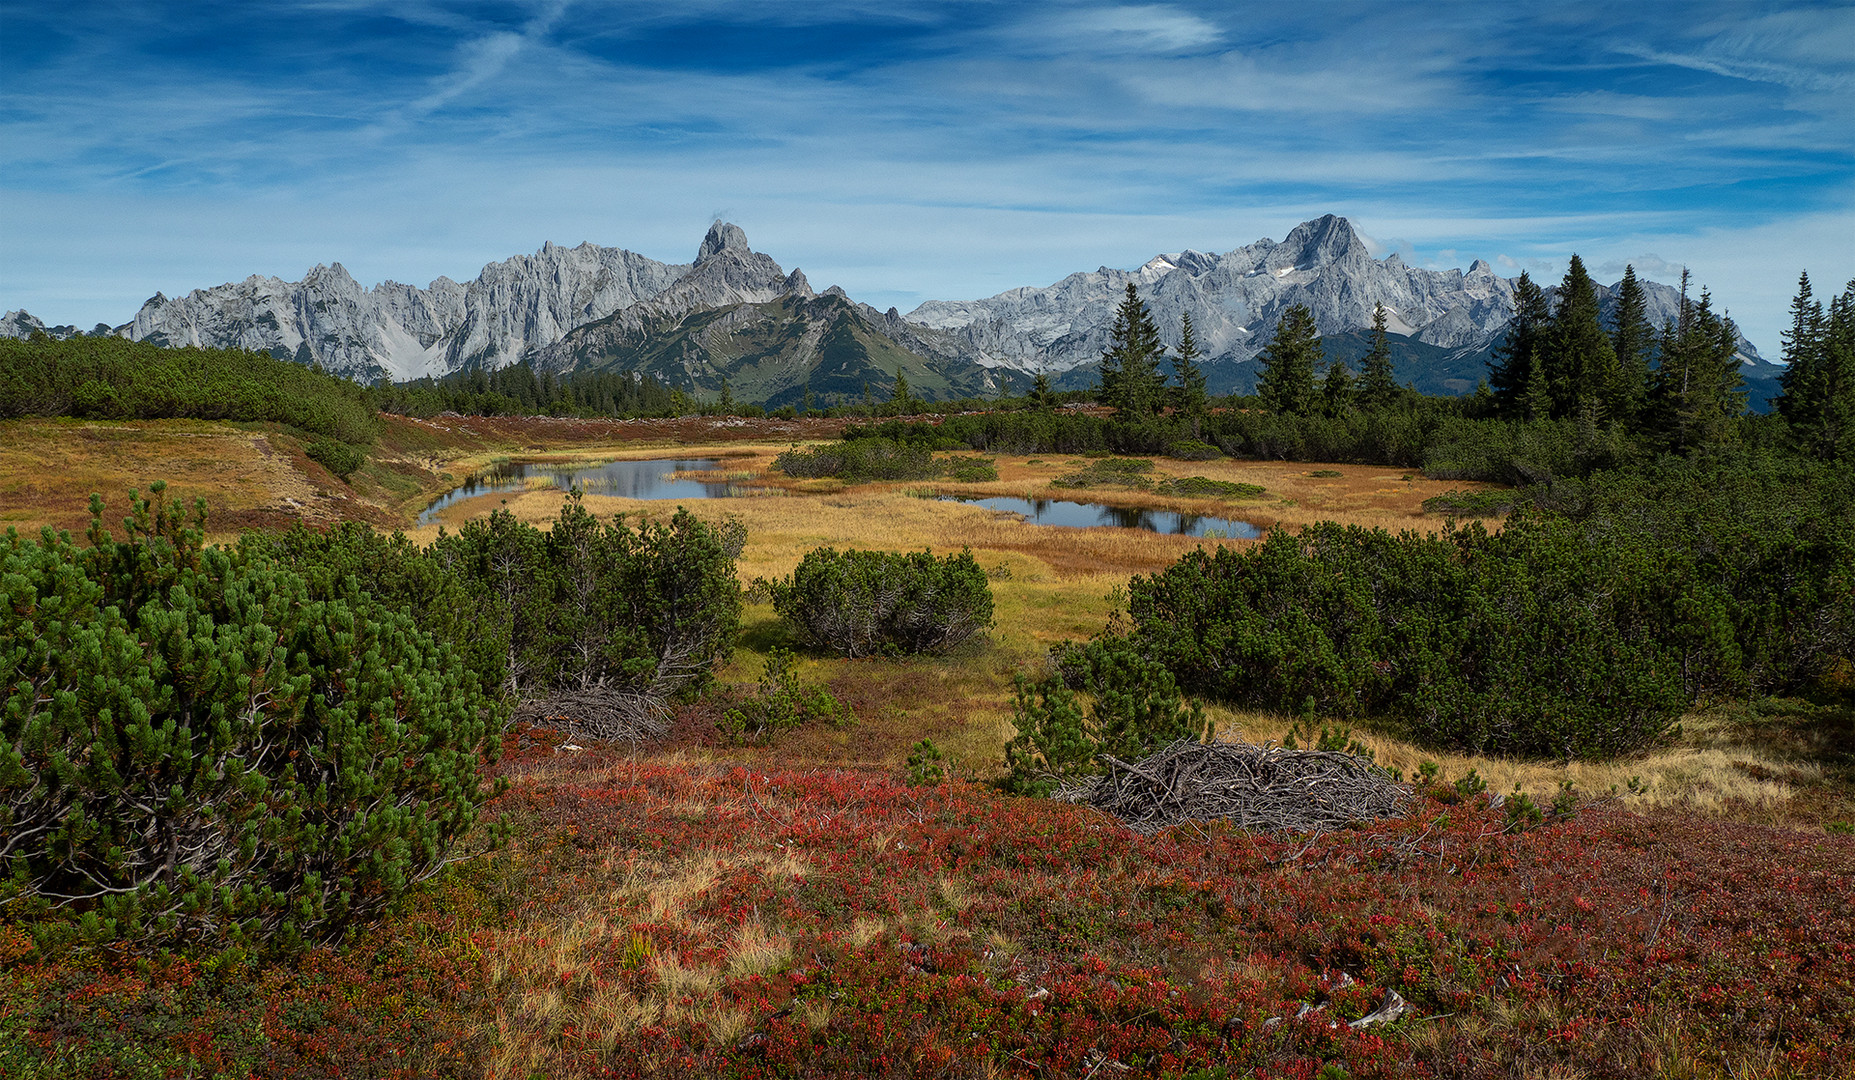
<point x="625" y="479"/>
<point x="1077" y="515"/>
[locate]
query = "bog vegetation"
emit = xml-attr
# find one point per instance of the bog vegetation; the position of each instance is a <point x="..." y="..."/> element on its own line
<point x="218" y="762"/>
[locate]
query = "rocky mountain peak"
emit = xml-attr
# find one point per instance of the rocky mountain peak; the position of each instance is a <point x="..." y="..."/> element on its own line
<point x="722" y="236"/>
<point x="1325" y="240"/>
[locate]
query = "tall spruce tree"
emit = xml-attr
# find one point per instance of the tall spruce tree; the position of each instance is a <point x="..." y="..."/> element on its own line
<point x="1378" y="387"/>
<point x="1697" y="392"/>
<point x="1579" y="360"/>
<point x="1042" y="397"/>
<point x="900" y="399"/>
<point x="1130" y="375"/>
<point x="1632" y="339"/>
<point x="1191" y="396"/>
<point x="1838" y="419"/>
<point x="1516" y="359"/>
<point x="1337" y="389"/>
<point x="1818" y="401"/>
<point x="1286" y="384"/>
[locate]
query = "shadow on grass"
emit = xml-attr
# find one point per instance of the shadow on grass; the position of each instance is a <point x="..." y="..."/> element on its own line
<point x="1816" y="735"/>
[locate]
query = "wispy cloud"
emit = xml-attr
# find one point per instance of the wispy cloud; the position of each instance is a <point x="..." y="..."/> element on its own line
<point x="907" y="149"/>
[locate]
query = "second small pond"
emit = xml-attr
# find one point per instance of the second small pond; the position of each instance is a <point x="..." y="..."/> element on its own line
<point x="1077" y="515"/>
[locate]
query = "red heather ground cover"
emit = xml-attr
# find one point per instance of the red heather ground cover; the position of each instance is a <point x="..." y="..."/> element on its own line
<point x="1611" y="943"/>
<point x="1018" y="938"/>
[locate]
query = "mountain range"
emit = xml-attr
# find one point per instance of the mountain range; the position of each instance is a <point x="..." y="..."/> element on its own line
<point x="734" y="314"/>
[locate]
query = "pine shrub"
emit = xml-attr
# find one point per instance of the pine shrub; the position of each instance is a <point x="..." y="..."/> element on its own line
<point x="1134" y="708"/>
<point x="195" y="748"/>
<point x="864" y="603"/>
<point x="335" y="456"/>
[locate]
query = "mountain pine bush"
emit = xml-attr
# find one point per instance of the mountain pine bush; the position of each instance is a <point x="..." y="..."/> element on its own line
<point x="1134" y="708"/>
<point x="1577" y="634"/>
<point x="862" y="603"/>
<point x="195" y="748"/>
<point x="585" y="607"/>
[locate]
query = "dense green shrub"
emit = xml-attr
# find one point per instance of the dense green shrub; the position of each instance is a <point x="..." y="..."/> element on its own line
<point x="861" y="603"/>
<point x="1493" y="502"/>
<point x="351" y="557"/>
<point x="883" y="459"/>
<point x="110" y="378"/>
<point x="1443" y="436"/>
<point x="606" y="608"/>
<point x="1574" y="634"/>
<point x="1108" y="472"/>
<point x="584" y="608"/>
<point x="969" y="470"/>
<point x="1530" y="641"/>
<point x="196" y="748"/>
<point x="1134" y="708"/>
<point x="335" y="456"/>
<point x="863" y="459"/>
<point x="1194" y="450"/>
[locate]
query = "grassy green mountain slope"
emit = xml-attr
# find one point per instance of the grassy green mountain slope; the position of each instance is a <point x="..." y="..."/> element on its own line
<point x="771" y="353"/>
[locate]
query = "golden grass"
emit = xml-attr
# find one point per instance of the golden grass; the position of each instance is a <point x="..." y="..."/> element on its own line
<point x="249" y="477"/>
<point x="758" y="951"/>
<point x="1706" y="772"/>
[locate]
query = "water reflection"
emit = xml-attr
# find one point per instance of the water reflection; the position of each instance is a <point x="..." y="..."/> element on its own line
<point x="1077" y="515"/>
<point x="624" y="479"/>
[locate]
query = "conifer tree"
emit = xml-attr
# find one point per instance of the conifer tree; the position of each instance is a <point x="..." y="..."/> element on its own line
<point x="1579" y="360"/>
<point x="1191" y="392"/>
<point x="1697" y="390"/>
<point x="1286" y="384"/>
<point x="1337" y="389"/>
<point x="1377" y="386"/>
<point x="1515" y="359"/>
<point x="1041" y="395"/>
<point x="1130" y="377"/>
<point x="1819" y="374"/>
<point x="1631" y="339"/>
<point x="900" y="399"/>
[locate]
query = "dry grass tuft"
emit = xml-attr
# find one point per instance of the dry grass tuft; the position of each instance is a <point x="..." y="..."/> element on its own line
<point x="758" y="951"/>
<point x="865" y="930"/>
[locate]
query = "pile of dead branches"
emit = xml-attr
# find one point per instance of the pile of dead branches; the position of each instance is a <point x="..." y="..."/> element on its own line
<point x="1256" y="787"/>
<point x="600" y="714"/>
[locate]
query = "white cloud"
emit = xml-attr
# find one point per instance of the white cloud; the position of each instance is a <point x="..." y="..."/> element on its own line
<point x="1647" y="265"/>
<point x="1114" y="31"/>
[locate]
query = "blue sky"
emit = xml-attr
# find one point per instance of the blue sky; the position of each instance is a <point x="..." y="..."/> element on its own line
<point x="917" y="151"/>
